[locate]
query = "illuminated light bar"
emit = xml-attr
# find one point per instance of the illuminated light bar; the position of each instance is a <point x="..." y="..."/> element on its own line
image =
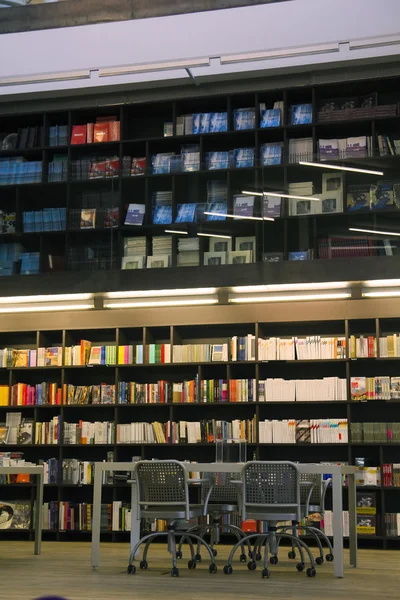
<point x="339" y="168"/>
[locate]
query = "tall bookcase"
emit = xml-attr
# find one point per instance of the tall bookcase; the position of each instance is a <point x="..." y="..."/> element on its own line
<point x="190" y="332"/>
<point x="142" y="127"/>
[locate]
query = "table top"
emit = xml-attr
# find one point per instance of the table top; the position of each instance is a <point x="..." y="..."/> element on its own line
<point x="23" y="469"/>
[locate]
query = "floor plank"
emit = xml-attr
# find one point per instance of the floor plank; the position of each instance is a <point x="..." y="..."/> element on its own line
<point x="64" y="569"/>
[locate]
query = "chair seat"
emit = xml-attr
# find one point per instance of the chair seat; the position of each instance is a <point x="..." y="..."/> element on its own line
<point x="171" y="512"/>
<point x="219" y="509"/>
<point x="258" y="515"/>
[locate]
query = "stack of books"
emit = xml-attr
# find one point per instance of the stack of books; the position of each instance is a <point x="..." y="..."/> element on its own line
<point x="196" y="432"/>
<point x="58" y="169"/>
<point x="300" y="114"/>
<point x="106" y="129"/>
<point x="18" y="170"/>
<point x="9" y="255"/>
<point x="162" y="207"/>
<point x="304" y="431"/>
<point x="89" y="394"/>
<point x="244" y="118"/>
<point x="271" y="117"/>
<point x="135" y="253"/>
<point x="271" y="153"/>
<point x="162" y="252"/>
<point x="328" y="389"/>
<point x="375" y="433"/>
<point x="48" y="219"/>
<point x="188" y="252"/>
<point x="353" y="147"/>
<point x="85" y="432"/>
<point x="30" y="263"/>
<point x="141" y="433"/>
<point x="48" y="432"/>
<point x="7" y="222"/>
<point x="300" y="149"/>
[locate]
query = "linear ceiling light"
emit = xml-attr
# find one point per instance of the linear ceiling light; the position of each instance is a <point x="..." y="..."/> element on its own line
<point x="382" y="294"/>
<point x="339" y="168"/>
<point x="161" y="293"/>
<point x="382" y="283"/>
<point x="161" y="303"/>
<point x="289" y="297"/>
<point x="291" y="287"/>
<point x="374" y="231"/>
<point x="176" y="231"/>
<point x="151" y="67"/>
<point x="44" y="298"/>
<point x="216" y="214"/>
<point x="216" y="235"/>
<point x="29" y="308"/>
<point x="280" y="195"/>
<point x="283" y="53"/>
<point x="44" y="78"/>
<point x="374" y="42"/>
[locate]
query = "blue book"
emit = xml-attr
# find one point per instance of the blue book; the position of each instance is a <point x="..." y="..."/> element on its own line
<point x="244" y="118"/>
<point x="218" y="122"/>
<point x="244" y="158"/>
<point x="301" y="255"/>
<point x="135" y="214"/>
<point x="185" y="213"/>
<point x="205" y="122"/>
<point x="48" y="220"/>
<point x="270" y="118"/>
<point x="196" y="123"/>
<point x="221" y="208"/>
<point x="162" y="215"/>
<point x="271" y="154"/>
<point x="217" y="160"/>
<point x="301" y="114"/>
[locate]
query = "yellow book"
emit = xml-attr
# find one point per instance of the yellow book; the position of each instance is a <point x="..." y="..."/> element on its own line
<point x="4" y="395"/>
<point x="353" y="346"/>
<point x="121" y="355"/>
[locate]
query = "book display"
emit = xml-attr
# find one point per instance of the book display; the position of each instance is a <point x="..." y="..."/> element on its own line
<point x="74" y="397"/>
<point x="189" y="168"/>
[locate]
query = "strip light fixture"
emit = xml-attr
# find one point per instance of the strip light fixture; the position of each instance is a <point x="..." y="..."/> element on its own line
<point x="217" y="214"/>
<point x="393" y="293"/>
<point x="176" y="231"/>
<point x="216" y="235"/>
<point x="162" y="298"/>
<point x="171" y="65"/>
<point x="44" y="77"/>
<point x="282" y="53"/>
<point x="339" y="167"/>
<point x="46" y="303"/>
<point x="374" y="231"/>
<point x="161" y="293"/>
<point x="291" y="287"/>
<point x="289" y="297"/>
<point x="280" y="195"/>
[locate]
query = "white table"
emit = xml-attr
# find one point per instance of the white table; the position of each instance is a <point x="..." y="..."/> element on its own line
<point x="337" y="472"/>
<point x="38" y="472"/>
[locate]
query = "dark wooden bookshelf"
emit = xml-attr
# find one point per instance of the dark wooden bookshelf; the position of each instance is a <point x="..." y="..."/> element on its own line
<point x="142" y="135"/>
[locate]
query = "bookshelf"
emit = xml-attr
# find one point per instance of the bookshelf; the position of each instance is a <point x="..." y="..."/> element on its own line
<point x="142" y="126"/>
<point x="227" y="371"/>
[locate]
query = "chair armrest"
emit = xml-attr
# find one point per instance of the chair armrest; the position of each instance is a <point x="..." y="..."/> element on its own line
<point x="325" y="485"/>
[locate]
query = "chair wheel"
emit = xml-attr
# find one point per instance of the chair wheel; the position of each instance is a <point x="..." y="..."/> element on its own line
<point x="174" y="572"/>
<point x="266" y="573"/>
<point x="179" y="554"/>
<point x="215" y="552"/>
<point x="273" y="560"/>
<point x="227" y="569"/>
<point x="213" y="568"/>
<point x="258" y="556"/>
<point x="329" y="557"/>
<point x="319" y="560"/>
<point x="192" y="564"/>
<point x="242" y="558"/>
<point x="143" y="565"/>
<point x="311" y="572"/>
<point x="197" y="557"/>
<point x="300" y="567"/>
<point x="131" y="569"/>
<point x="252" y="565"/>
<point x="291" y="554"/>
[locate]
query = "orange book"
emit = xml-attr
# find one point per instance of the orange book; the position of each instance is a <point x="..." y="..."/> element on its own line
<point x="101" y="132"/>
<point x="89" y="133"/>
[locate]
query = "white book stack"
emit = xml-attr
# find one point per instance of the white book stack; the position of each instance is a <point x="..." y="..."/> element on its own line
<point x="328" y="523"/>
<point x="279" y="390"/>
<point x="267" y="349"/>
<point x="162" y="246"/>
<point x="300" y="149"/>
<point x="277" y="432"/>
<point x="141" y="433"/>
<point x="389" y="346"/>
<point x="285" y="349"/>
<point x="135" y="246"/>
<point x="328" y="389"/>
<point x="188" y="252"/>
<point x="329" y="431"/>
<point x="301" y="188"/>
<point x="316" y="347"/>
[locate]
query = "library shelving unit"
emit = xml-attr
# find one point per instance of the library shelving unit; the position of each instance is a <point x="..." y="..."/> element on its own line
<point x="142" y="135"/>
<point x="355" y="412"/>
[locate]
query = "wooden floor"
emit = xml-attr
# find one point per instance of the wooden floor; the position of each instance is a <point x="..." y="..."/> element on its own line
<point x="64" y="569"/>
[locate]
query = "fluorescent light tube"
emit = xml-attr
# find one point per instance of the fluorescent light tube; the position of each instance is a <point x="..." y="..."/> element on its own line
<point x="151" y="67"/>
<point x="224" y="237"/>
<point x="382" y="294"/>
<point x="281" y="195"/>
<point x="176" y="231"/>
<point x="161" y="303"/>
<point x="283" y="53"/>
<point x="374" y="231"/>
<point x="289" y="298"/>
<point x="339" y="168"/>
<point x="44" y="308"/>
<point x="216" y="214"/>
<point x="44" y="298"/>
<point x="382" y="283"/>
<point x="289" y="287"/>
<point x="161" y="293"/>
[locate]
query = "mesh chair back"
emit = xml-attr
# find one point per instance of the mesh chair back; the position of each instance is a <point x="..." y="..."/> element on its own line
<point x="316" y="495"/>
<point x="223" y="492"/>
<point x="162" y="482"/>
<point x="271" y="483"/>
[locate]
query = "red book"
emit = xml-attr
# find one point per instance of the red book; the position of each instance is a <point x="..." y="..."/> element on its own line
<point x="249" y="525"/>
<point x="162" y="353"/>
<point x="371" y="347"/>
<point x="78" y="134"/>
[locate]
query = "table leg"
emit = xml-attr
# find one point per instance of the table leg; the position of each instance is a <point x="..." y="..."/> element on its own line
<point x="39" y="513"/>
<point x="338" y="567"/>
<point x="135" y="522"/>
<point x="96" y="518"/>
<point x="352" y="520"/>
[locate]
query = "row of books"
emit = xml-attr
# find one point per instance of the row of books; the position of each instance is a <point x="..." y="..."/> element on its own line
<point x="48" y="219"/>
<point x="308" y="348"/>
<point x="354" y="107"/>
<point x="392" y="524"/>
<point x="93" y="218"/>
<point x="58" y="135"/>
<point x="379" y="433"/>
<point x="58" y="169"/>
<point x="18" y="170"/>
<point x="71" y="471"/>
<point x="105" y="129"/>
<point x="375" y="388"/>
<point x="39" y="394"/>
<point x="305" y="431"/>
<point x="388" y="145"/>
<point x="102" y="167"/>
<point x="25" y="138"/>
<point x="391" y="474"/>
<point x="352" y="147"/>
<point x="302" y="390"/>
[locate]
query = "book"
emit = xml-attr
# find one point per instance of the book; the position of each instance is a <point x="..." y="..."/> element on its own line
<point x="185" y="213"/>
<point x="219" y="210"/>
<point x="244" y="118"/>
<point x="78" y="134"/>
<point x="135" y="214"/>
<point x="88" y="218"/>
<point x="138" y="166"/>
<point x="15" y="514"/>
<point x="300" y="114"/>
<point x="218" y="122"/>
<point x="101" y="132"/>
<point x="162" y="215"/>
<point x="270" y="118"/>
<point x="360" y="197"/>
<point x="358" y="388"/>
<point x="135" y="261"/>
<point x="243" y="205"/>
<point x="243" y="158"/>
<point x="271" y="206"/>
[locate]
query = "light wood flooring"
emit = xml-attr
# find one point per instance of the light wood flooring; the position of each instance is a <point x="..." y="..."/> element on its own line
<point x="64" y="569"/>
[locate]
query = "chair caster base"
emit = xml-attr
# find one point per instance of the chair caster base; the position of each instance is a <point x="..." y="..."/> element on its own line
<point x="212" y="568"/>
<point x="273" y="560"/>
<point x="228" y="569"/>
<point x="197" y="557"/>
<point x="329" y="557"/>
<point x="300" y="567"/>
<point x="252" y="565"/>
<point x="311" y="572"/>
<point x="174" y="572"/>
<point x="192" y="564"/>
<point x="242" y="558"/>
<point x="131" y="569"/>
<point x="143" y="565"/>
<point x="319" y="560"/>
<point x="291" y="554"/>
<point x="266" y="574"/>
<point x="179" y="554"/>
